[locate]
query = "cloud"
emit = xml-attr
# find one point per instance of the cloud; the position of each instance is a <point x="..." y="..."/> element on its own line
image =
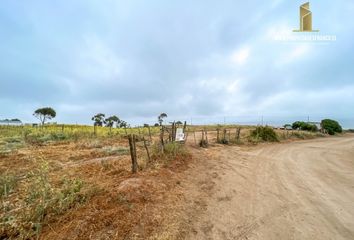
<point x="240" y="56"/>
<point x="136" y="59"/>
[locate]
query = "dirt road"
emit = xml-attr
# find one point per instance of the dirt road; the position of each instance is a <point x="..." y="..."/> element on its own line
<point x="299" y="190"/>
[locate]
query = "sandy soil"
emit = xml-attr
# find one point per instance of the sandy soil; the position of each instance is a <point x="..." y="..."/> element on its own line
<point x="297" y="190"/>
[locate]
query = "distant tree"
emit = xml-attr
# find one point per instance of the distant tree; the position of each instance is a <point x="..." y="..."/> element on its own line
<point x="297" y="125"/>
<point x="98" y="119"/>
<point x="111" y="121"/>
<point x="156" y="124"/>
<point x="16" y="120"/>
<point x="123" y="124"/>
<point x="331" y="126"/>
<point x="161" y="117"/>
<point x="287" y="125"/>
<point x="44" y="114"/>
<point x="304" y="126"/>
<point x="179" y="123"/>
<point x="146" y="125"/>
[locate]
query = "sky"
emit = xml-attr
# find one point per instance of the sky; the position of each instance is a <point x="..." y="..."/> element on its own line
<point x="198" y="59"/>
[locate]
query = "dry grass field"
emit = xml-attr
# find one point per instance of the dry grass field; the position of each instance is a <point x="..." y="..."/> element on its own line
<point x="81" y="186"/>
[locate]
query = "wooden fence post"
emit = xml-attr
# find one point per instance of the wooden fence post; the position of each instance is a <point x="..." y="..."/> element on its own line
<point x="147" y="152"/>
<point x="162" y="131"/>
<point x="150" y="133"/>
<point x="238" y="134"/>
<point x="173" y="132"/>
<point x="202" y="141"/>
<point x="217" y="135"/>
<point x="132" y="147"/>
<point x="184" y="126"/>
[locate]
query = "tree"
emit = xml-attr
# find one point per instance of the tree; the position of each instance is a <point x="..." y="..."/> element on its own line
<point x="161" y="117"/>
<point x="297" y="125"/>
<point x="331" y="126"/>
<point x="304" y="126"/>
<point x="123" y="124"/>
<point x="98" y="119"/>
<point x="111" y="121"/>
<point x="44" y="114"/>
<point x="179" y="123"/>
<point x="16" y="120"/>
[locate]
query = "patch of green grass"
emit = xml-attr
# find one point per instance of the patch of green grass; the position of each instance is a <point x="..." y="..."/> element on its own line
<point x="172" y="151"/>
<point x="305" y="135"/>
<point x="111" y="150"/>
<point x="39" y="200"/>
<point x="10" y="144"/>
<point x="8" y="183"/>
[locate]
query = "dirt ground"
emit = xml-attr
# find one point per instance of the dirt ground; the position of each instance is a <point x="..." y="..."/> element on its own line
<point x="291" y="190"/>
<point x="294" y="190"/>
<point x="119" y="205"/>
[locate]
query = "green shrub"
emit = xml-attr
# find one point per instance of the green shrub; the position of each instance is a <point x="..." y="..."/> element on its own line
<point x="265" y="133"/>
<point x="203" y="143"/>
<point x="174" y="149"/>
<point x="331" y="126"/>
<point x="304" y="126"/>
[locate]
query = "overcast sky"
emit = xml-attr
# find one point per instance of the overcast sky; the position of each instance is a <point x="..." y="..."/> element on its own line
<point x="138" y="58"/>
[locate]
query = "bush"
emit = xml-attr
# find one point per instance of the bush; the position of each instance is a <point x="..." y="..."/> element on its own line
<point x="331" y="126"/>
<point x="304" y="126"/>
<point x="265" y="133"/>
<point x="203" y="143"/>
<point x="223" y="141"/>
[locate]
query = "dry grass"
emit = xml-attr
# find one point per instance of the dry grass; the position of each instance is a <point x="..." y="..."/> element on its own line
<point x="80" y="188"/>
<point x="72" y="189"/>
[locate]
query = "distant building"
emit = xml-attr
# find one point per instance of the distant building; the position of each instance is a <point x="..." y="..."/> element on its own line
<point x="12" y="122"/>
